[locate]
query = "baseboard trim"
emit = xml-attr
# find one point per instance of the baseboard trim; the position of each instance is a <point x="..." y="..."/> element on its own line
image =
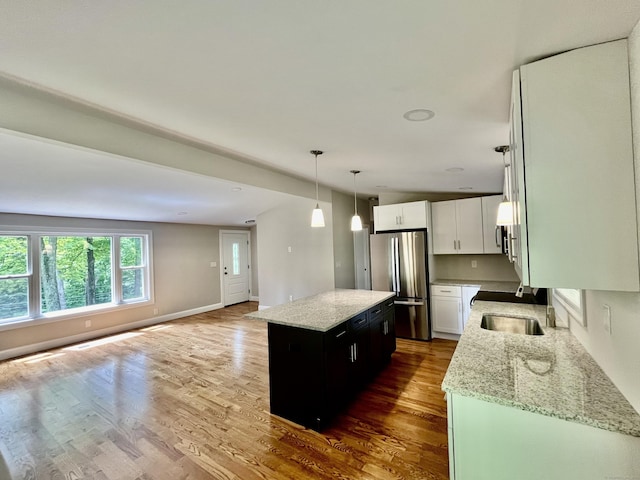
<point x="254" y="299"/>
<point x="446" y="336"/>
<point x="81" y="337"/>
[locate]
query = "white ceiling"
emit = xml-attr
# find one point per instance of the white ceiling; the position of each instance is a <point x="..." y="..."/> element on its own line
<point x="272" y="80"/>
<point x="44" y="180"/>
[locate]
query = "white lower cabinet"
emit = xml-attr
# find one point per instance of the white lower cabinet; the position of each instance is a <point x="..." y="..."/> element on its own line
<point x="450" y="307"/>
<point x="447" y="314"/>
<point x="488" y="441"/>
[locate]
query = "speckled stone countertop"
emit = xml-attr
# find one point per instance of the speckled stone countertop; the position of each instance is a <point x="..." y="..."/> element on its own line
<point x="324" y="311"/>
<point x="485" y="285"/>
<point x="550" y="374"/>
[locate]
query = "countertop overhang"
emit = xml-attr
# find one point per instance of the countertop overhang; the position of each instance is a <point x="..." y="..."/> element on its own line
<point x="323" y="311"/>
<point x="551" y="374"/>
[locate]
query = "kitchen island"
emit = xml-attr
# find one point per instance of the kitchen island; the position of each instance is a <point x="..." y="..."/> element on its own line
<point x="534" y="406"/>
<point x="323" y="349"/>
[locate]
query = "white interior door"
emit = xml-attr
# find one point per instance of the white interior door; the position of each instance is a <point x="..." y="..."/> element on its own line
<point x="235" y="267"/>
<point x="361" y="258"/>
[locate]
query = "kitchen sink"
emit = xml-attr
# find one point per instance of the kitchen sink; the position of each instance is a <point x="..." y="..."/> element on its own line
<point x="503" y="323"/>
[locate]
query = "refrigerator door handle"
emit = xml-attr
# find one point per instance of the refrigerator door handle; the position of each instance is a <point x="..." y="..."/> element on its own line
<point x="394" y="265"/>
<point x="396" y="253"/>
<point x="412" y="304"/>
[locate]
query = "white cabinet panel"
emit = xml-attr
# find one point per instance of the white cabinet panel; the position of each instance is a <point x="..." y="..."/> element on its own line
<point x="401" y="216"/>
<point x="490" y="231"/>
<point x="457" y="226"/>
<point x="488" y="441"/>
<point x="581" y="224"/>
<point x="445" y="235"/>
<point x="469" y="224"/>
<point x="447" y="314"/>
<point x="468" y="292"/>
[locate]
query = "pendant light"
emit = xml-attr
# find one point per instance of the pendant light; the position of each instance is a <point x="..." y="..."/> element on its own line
<point x="317" y="217"/>
<point x="356" y="221"/>
<point x="505" y="209"/>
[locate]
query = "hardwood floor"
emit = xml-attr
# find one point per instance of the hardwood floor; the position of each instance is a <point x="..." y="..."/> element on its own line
<point x="189" y="399"/>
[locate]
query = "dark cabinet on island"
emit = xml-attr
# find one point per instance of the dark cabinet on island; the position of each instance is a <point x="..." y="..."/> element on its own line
<point x="315" y="371"/>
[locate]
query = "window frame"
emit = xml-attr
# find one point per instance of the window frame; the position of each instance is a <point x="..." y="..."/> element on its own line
<point x="36" y="317"/>
<point x="577" y="312"/>
<point x="28" y="274"/>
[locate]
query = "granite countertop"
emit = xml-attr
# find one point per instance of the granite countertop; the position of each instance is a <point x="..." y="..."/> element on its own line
<point x="324" y="311"/>
<point x="551" y="374"/>
<point x="485" y="285"/>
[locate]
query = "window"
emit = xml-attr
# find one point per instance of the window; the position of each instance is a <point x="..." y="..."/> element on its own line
<point x="573" y="302"/>
<point x="14" y="276"/>
<point x="75" y="272"/>
<point x="47" y="274"/>
<point x="132" y="266"/>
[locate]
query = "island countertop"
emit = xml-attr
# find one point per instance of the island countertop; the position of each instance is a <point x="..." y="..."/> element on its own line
<point x="323" y="311"/>
<point x="551" y="374"/>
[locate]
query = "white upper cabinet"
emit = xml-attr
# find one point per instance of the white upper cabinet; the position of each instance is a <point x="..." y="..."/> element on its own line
<point x="576" y="195"/>
<point x="457" y="226"/>
<point x="401" y="216"/>
<point x="492" y="234"/>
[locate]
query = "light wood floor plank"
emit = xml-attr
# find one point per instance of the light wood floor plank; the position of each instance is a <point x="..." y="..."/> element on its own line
<point x="189" y="399"/>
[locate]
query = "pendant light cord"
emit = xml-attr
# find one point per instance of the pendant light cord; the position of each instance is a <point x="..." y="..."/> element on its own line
<point x="355" y="192"/>
<point x="317" y="202"/>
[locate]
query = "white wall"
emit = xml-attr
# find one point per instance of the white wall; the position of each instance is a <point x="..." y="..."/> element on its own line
<point x="343" y="254"/>
<point x="308" y="268"/>
<point x="183" y="280"/>
<point x="618" y="354"/>
<point x="488" y="267"/>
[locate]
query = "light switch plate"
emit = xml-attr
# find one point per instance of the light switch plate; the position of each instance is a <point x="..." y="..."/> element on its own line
<point x="474" y="264"/>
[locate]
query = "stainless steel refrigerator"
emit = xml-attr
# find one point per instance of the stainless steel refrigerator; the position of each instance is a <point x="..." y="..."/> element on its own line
<point x="399" y="264"/>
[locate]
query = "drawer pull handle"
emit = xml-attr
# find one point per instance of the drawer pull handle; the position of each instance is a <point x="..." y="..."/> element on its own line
<point x="361" y="321"/>
<point x="446" y="291"/>
<point x="341" y="333"/>
<point x="377" y="312"/>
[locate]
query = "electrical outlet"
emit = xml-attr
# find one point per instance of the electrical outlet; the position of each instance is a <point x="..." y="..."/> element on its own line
<point x="289" y="249"/>
<point x="213" y="264"/>
<point x="87" y="324"/>
<point x="474" y="264"/>
<point x="291" y="298"/>
<point x="156" y="311"/>
<point x="606" y="318"/>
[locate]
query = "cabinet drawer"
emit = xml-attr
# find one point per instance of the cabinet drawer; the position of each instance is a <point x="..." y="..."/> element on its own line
<point x="376" y="312"/>
<point x="359" y="322"/>
<point x="446" y="291"/>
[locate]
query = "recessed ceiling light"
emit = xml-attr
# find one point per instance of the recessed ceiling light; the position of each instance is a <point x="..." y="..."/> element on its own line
<point x="419" y="115"/>
<point x="236" y="189"/>
<point x="465" y="188"/>
<point x="455" y="169"/>
<point x="182" y="213"/>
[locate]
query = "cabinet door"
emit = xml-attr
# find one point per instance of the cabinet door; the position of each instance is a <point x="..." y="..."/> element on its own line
<point x="578" y="158"/>
<point x="414" y="215"/>
<point x="359" y="368"/>
<point x="492" y="235"/>
<point x="337" y="361"/>
<point x="447" y="313"/>
<point x="469" y="225"/>
<point x="376" y="340"/>
<point x="443" y="219"/>
<point x="389" y="334"/>
<point x="387" y="217"/>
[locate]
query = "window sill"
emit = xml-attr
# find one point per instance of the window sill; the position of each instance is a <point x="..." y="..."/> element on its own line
<point x="66" y="315"/>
